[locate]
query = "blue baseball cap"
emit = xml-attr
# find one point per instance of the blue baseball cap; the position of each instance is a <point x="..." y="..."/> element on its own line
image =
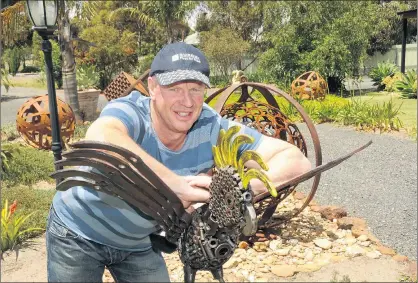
<point x="180" y="61"/>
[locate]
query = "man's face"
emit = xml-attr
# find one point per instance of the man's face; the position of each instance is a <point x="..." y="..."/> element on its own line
<point x="178" y="105"/>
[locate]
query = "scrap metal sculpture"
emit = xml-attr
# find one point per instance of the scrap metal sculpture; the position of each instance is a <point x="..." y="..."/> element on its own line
<point x="206" y="237"/>
<point x="270" y="120"/>
<point x="310" y="85"/>
<point x="33" y="122"/>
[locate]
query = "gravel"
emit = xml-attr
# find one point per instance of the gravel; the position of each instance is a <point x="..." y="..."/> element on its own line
<point x="378" y="184"/>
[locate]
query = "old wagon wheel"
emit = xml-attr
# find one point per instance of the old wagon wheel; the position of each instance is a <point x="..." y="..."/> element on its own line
<point x="269" y="120"/>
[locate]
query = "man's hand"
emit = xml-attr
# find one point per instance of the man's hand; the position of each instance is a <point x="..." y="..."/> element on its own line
<point x="195" y="191"/>
<point x="199" y="182"/>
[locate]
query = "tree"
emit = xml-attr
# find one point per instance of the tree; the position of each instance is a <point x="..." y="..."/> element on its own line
<point x="69" y="79"/>
<point x="223" y="47"/>
<point x="331" y="37"/>
<point x="172" y="16"/>
<point x="202" y="22"/>
<point x="245" y="18"/>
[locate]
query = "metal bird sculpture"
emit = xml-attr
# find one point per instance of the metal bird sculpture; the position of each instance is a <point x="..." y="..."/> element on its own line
<point x="206" y="237"/>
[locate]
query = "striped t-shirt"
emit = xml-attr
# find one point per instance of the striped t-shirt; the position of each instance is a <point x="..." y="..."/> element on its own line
<point x="111" y="221"/>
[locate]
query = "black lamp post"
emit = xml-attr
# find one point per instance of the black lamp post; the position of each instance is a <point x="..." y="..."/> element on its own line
<point x="43" y="15"/>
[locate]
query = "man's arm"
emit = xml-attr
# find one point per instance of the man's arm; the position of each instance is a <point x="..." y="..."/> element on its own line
<point x="112" y="130"/>
<point x="285" y="161"/>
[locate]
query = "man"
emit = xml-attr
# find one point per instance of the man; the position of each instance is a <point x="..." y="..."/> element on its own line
<point x="173" y="132"/>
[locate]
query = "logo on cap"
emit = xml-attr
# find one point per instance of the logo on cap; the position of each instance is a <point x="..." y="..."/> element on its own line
<point x="185" y="56"/>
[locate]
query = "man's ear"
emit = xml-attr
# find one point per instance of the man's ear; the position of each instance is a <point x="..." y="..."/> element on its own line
<point x="151" y="87"/>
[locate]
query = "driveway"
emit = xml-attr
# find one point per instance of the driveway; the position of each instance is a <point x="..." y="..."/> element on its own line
<point x="12" y="100"/>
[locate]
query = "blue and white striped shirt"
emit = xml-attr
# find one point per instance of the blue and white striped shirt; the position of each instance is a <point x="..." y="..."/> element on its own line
<point x="108" y="220"/>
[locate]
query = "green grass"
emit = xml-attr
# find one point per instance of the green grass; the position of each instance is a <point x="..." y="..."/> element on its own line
<point x="28" y="166"/>
<point x="408" y="108"/>
<point x="27" y="82"/>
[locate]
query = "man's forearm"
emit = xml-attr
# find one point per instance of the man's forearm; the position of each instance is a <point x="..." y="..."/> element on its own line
<point x="284" y="166"/>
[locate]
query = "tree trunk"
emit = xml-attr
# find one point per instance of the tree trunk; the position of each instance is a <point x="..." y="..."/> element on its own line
<point x="68" y="62"/>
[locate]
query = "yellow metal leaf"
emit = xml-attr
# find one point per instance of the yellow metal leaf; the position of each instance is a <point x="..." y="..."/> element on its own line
<point x="250" y="155"/>
<point x="226" y="144"/>
<point x="238" y="141"/>
<point x="217" y="157"/>
<point x="255" y="173"/>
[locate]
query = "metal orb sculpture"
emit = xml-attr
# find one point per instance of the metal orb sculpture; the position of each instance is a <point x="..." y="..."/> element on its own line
<point x="269" y="120"/>
<point x="34" y="125"/>
<point x="310" y="85"/>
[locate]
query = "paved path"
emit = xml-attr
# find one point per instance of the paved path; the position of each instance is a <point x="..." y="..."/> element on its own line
<point x="12" y="100"/>
<point x="378" y="184"/>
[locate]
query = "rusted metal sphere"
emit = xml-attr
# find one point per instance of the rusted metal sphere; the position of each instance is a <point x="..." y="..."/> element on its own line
<point x="34" y="125"/>
<point x="310" y="85"/>
<point x="269" y="120"/>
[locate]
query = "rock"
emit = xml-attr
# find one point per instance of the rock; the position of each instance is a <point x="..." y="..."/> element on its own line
<point x="293" y="242"/>
<point x="332" y="212"/>
<point x="310" y="267"/>
<point x="362" y="238"/>
<point x="373" y="254"/>
<point x="386" y="251"/>
<point x="350" y="241"/>
<point x="412" y="270"/>
<point x="282" y="252"/>
<point x="313" y="203"/>
<point x="231" y="263"/>
<point x="365" y="244"/>
<point x="283" y="270"/>
<point x="340" y="234"/>
<point x="299" y="195"/>
<point x="348" y="222"/>
<point x="264" y="270"/>
<point x="323" y="243"/>
<point x="316" y="208"/>
<point x="309" y="255"/>
<point x="358" y="231"/>
<point x="400" y="258"/>
<point x="260" y="235"/>
<point x="273" y="237"/>
<point x="243" y="245"/>
<point x="354" y="251"/>
<point x="275" y="244"/>
<point x="337" y="258"/>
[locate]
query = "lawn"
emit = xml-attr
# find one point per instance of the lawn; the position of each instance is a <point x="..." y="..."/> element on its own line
<point x="33" y="80"/>
<point x="408" y="107"/>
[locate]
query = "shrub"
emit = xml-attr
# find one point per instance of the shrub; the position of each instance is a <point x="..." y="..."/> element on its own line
<point x="12" y="226"/>
<point x="9" y="132"/>
<point x="30" y="69"/>
<point x="370" y="117"/>
<point x="381" y="71"/>
<point x="13" y="57"/>
<point x="87" y="77"/>
<point x="29" y="166"/>
<point x="389" y="81"/>
<point x="36" y="201"/>
<point x="407" y="86"/>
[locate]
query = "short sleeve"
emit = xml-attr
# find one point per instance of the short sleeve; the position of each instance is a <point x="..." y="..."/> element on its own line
<point x="128" y="112"/>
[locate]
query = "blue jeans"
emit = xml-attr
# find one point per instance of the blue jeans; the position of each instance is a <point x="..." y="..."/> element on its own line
<point x="71" y="258"/>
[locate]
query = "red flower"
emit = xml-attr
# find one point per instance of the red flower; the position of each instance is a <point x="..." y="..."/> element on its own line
<point x="12" y="207"/>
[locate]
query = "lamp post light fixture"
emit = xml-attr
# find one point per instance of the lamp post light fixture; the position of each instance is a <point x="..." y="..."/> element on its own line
<point x="43" y="15"/>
